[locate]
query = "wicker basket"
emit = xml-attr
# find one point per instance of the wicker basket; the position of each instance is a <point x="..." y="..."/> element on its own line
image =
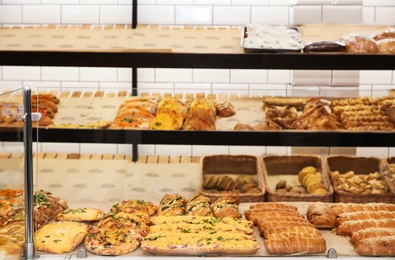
<point x="360" y="165"/>
<point x="288" y="167"/>
<point x="389" y="175"/>
<point x="233" y="166"/>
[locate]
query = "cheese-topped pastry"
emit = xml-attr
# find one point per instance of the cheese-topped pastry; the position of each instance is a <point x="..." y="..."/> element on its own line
<point x="80" y="214"/>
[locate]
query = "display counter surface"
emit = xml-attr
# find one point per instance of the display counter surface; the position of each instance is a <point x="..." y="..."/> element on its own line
<point x="101" y="181"/>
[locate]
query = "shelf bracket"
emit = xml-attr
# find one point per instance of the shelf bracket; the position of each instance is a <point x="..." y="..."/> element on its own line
<point x="134" y="14"/>
<point x="332" y="253"/>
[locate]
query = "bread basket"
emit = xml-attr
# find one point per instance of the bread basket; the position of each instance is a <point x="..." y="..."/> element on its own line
<point x="233" y="166"/>
<point x="359" y="165"/>
<point x="287" y="167"/>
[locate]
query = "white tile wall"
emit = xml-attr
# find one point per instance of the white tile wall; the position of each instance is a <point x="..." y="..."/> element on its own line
<point x="198" y="12"/>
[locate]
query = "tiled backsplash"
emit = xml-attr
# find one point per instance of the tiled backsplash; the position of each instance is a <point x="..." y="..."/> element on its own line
<point x="197" y="12"/>
<point x="207" y="13"/>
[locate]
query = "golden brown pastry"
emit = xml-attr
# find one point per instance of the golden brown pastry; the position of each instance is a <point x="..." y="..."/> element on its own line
<point x="294" y="229"/>
<point x="224" y="108"/>
<point x="172" y="205"/>
<point x="80" y="214"/>
<point x="370" y="233"/>
<point x="348" y="228"/>
<point x="255" y="214"/>
<point x="321" y="215"/>
<point x="352" y="207"/>
<point x="376" y="246"/>
<point x="273" y="205"/>
<point x="293" y="245"/>
<point x="199" y="205"/>
<point x="226" y="206"/>
<point x="362" y="215"/>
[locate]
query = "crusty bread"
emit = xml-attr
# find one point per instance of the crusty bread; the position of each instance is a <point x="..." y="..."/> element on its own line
<point x="80" y="214"/>
<point x="321" y="215"/>
<point x="293" y="245"/>
<point x="60" y="237"/>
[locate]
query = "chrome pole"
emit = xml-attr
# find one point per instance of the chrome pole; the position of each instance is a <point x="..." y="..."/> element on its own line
<point x="29" y="252"/>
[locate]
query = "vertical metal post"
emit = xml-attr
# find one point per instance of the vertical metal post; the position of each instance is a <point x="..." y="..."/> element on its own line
<point x="135" y="152"/>
<point x="29" y="252"/>
<point x="134" y="14"/>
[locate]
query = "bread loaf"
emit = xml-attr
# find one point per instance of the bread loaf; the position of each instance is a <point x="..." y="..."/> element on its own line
<point x="348" y="228"/>
<point x="267" y="225"/>
<point x="363" y="215"/>
<point x="294" y="229"/>
<point x="321" y="215"/>
<point x="273" y="205"/>
<point x="352" y="207"/>
<point x="376" y="246"/>
<point x="255" y="214"/>
<point x="293" y="245"/>
<point x="371" y="232"/>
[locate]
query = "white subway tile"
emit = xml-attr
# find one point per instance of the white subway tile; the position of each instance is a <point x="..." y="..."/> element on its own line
<point x="144" y="149"/>
<point x="306" y="14"/>
<point x="115" y="86"/>
<point x="320" y="151"/>
<point x="126" y="149"/>
<point x="212" y="2"/>
<point x="230" y="89"/>
<point x="280" y="150"/>
<point x="162" y="14"/>
<point x="339" y="92"/>
<point x="60" y="2"/>
<point x="174" y="2"/>
<point x="342" y="14"/>
<point x="282" y="2"/>
<point x="34" y="14"/>
<point x="368" y="15"/>
<point x="231" y="15"/>
<point x="173" y="75"/>
<point x="304" y="91"/>
<point x="248" y="76"/>
<point x="311" y="77"/>
<point x="345" y="77"/>
<point x="250" y="2"/>
<point x="98" y="74"/>
<point x="155" y="87"/>
<point x="80" y="14"/>
<point x="248" y="150"/>
<point x="79" y="86"/>
<point x="61" y="147"/>
<point x="60" y="73"/>
<point x="146" y="75"/>
<point x="23" y="2"/>
<point x="279" y="76"/>
<point x="213" y="76"/>
<point x="42" y="85"/>
<point x="257" y="90"/>
<point x="202" y="150"/>
<point x="10" y="14"/>
<point x="365" y="91"/>
<point x="194" y="15"/>
<point x="391" y="152"/>
<point x="21" y="73"/>
<point x="98" y="148"/>
<point x="11" y="147"/>
<point x="373" y="151"/>
<point x="115" y="14"/>
<point x="272" y="15"/>
<point x="349" y="2"/>
<point x="192" y="88"/>
<point x="124" y="74"/>
<point x="177" y="150"/>
<point x="378" y="3"/>
<point x="313" y="2"/>
<point x="385" y="15"/>
<point x="95" y="2"/>
<point x="143" y="2"/>
<point x="375" y="77"/>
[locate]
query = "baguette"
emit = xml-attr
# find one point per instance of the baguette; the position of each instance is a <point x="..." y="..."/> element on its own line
<point x="294" y="229"/>
<point x="321" y="215"/>
<point x="362" y="215"/>
<point x="348" y="228"/>
<point x="273" y="205"/>
<point x="376" y="246"/>
<point x="370" y="233"/>
<point x="352" y="207"/>
<point x="295" y="245"/>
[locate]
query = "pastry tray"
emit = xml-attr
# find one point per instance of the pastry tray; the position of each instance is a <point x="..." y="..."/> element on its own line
<point x="274" y="49"/>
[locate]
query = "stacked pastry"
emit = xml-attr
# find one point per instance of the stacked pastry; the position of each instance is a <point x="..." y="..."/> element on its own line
<point x="201" y="115"/>
<point x="311" y="179"/>
<point x="227" y="184"/>
<point x="135" y="113"/>
<point x="361" y="114"/>
<point x="370" y="226"/>
<point x="120" y="231"/>
<point x="172" y="205"/>
<point x="199" y="232"/>
<point x="285" y="230"/>
<point x="47" y="106"/>
<point x="170" y="115"/>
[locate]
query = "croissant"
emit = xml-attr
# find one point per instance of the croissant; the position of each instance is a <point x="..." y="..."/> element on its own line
<point x="273" y="205"/>
<point x="371" y="232"/>
<point x="321" y="215"/>
<point x="378" y="246"/>
<point x="361" y="215"/>
<point x="226" y="206"/>
<point x="295" y="245"/>
<point x="348" y="228"/>
<point x="352" y="207"/>
<point x="294" y="229"/>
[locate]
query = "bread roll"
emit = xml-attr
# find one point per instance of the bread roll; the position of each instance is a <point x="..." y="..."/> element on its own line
<point x="348" y="228"/>
<point x="363" y="215"/>
<point x="273" y="205"/>
<point x="321" y="215"/>
<point x="294" y="229"/>
<point x="295" y="245"/>
<point x="376" y="246"/>
<point x="370" y="233"/>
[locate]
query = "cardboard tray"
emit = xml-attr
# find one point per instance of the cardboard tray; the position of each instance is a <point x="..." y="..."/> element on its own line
<point x="360" y="165"/>
<point x="287" y="167"/>
<point x="233" y="166"/>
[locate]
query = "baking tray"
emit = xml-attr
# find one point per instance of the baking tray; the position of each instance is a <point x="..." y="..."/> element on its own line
<point x="274" y="39"/>
<point x="287" y="167"/>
